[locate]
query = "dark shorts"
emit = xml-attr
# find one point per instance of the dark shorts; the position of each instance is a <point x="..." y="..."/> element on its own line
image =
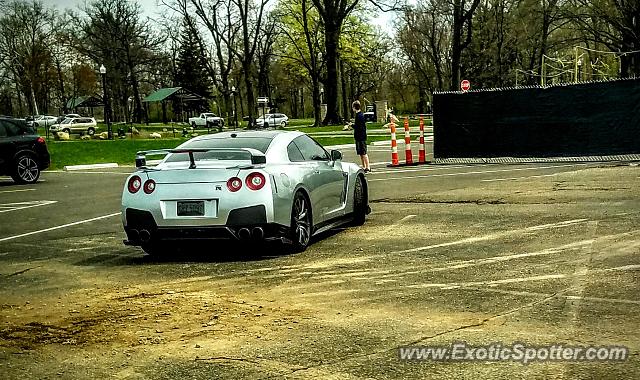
<point x="361" y="148"/>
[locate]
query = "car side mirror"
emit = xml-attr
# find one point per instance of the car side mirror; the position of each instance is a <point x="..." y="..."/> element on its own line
<point x="336" y="155"/>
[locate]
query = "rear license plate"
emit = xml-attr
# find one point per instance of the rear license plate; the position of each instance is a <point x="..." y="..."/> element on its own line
<point x="191" y="208"/>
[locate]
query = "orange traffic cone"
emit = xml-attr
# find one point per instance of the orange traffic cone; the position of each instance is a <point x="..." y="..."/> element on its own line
<point x="422" y="154"/>
<point x="407" y="143"/>
<point x="394" y="145"/>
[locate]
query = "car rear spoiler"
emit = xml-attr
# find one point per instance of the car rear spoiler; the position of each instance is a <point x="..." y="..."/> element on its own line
<point x="257" y="157"/>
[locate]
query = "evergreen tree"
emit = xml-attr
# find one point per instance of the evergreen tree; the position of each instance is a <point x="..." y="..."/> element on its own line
<point x="191" y="72"/>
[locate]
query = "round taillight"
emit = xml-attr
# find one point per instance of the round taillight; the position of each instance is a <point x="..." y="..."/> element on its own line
<point x="255" y="181"/>
<point x="149" y="186"/>
<point x="134" y="184"/>
<point x="234" y="184"/>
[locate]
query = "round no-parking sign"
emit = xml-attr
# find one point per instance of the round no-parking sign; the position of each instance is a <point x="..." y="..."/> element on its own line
<point x="465" y="85"/>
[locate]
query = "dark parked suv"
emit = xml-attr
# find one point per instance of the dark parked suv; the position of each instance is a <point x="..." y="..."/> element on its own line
<point x="23" y="154"/>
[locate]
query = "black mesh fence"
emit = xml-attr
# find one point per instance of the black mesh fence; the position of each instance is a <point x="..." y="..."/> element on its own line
<point x="600" y="118"/>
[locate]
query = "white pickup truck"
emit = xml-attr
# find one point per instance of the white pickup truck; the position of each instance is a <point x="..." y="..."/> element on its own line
<point x="205" y="120"/>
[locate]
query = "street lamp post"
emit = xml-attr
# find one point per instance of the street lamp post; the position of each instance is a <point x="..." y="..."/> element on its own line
<point x="107" y="109"/>
<point x="580" y="70"/>
<point x="235" y="114"/>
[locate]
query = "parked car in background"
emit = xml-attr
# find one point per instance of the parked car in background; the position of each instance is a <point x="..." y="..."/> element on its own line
<point x="80" y="125"/>
<point x="206" y="119"/>
<point x="43" y="121"/>
<point x="23" y="153"/>
<point x="67" y="116"/>
<point x="273" y="120"/>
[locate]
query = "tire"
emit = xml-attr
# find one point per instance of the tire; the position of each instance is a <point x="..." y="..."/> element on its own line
<point x="91" y="131"/>
<point x="301" y="222"/>
<point x="67" y="131"/>
<point x="283" y="124"/>
<point x="26" y="170"/>
<point x="359" y="202"/>
<point x="193" y="125"/>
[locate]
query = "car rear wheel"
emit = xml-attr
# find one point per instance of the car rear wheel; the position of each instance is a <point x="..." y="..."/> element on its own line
<point x="91" y="131"/>
<point x="283" y="124"/>
<point x="359" y="203"/>
<point x="301" y="222"/>
<point x="26" y="169"/>
<point x="67" y="131"/>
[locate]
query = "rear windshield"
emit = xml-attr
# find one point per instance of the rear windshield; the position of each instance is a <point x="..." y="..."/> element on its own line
<point x="258" y="143"/>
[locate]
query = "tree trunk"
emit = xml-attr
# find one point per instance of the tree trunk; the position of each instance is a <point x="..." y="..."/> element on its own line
<point x="136" y="99"/>
<point x="317" y="111"/>
<point x="302" y="101"/>
<point x="456" y="44"/>
<point x="331" y="38"/>
<point x="18" y="93"/>
<point x="251" y="100"/>
<point x="345" y="97"/>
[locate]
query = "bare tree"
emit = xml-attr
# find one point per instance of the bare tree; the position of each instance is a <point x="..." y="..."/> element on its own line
<point x="115" y="35"/>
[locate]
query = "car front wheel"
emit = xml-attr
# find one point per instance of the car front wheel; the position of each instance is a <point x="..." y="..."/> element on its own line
<point x="91" y="131"/>
<point x="26" y="169"/>
<point x="301" y="222"/>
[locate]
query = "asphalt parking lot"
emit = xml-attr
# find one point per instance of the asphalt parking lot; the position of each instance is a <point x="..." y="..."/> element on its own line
<point x="540" y="253"/>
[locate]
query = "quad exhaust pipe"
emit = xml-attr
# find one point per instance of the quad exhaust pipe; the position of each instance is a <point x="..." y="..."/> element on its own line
<point x="257" y="233"/>
<point x="244" y="234"/>
<point x="145" y="236"/>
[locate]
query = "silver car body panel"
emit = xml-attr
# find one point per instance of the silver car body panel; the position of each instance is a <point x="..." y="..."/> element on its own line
<point x="330" y="186"/>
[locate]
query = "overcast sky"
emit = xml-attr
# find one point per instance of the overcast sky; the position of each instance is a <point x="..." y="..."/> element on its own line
<point x="148" y="6"/>
<point x="152" y="10"/>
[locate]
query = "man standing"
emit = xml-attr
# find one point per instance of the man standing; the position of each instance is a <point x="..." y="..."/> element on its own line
<point x="360" y="136"/>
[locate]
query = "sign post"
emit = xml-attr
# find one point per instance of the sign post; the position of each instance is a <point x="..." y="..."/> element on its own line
<point x="465" y="85"/>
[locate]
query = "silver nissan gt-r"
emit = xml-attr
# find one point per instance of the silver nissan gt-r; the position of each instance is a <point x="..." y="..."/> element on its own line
<point x="251" y="186"/>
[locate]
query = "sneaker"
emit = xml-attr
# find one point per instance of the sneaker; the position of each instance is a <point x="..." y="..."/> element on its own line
<point x="367" y="170"/>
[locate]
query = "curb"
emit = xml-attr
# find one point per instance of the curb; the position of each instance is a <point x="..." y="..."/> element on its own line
<point x="89" y="167"/>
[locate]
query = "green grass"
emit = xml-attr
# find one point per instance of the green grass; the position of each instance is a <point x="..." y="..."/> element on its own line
<point x="301" y="122"/>
<point x="78" y="152"/>
<point x="326" y="141"/>
<point x="123" y="152"/>
<point x="96" y="151"/>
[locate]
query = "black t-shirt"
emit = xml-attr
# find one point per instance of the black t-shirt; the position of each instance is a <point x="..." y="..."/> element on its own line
<point x="360" y="128"/>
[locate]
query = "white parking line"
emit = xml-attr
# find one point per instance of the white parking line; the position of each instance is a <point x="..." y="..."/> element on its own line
<point x="518" y="178"/>
<point x="456" y="285"/>
<point x="473" y="172"/>
<point x="399" y="222"/>
<point x="86" y="172"/>
<point x="59" y="227"/>
<point x="16" y="191"/>
<point x="494" y="236"/>
<point x="544" y="295"/>
<point x="418" y="169"/>
<point x="6" y="207"/>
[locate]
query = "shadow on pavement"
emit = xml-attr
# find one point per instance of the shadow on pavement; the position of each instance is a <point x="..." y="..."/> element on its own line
<point x="200" y="252"/>
<point x="211" y="252"/>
